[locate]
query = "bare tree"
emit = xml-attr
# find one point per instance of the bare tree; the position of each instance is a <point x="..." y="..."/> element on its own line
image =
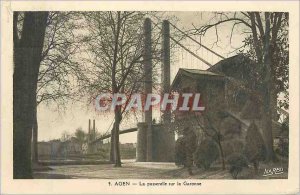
<point x="115" y="48"/>
<point x="115" y="52"/>
<point x="59" y="71"/>
<point x="27" y="54"/>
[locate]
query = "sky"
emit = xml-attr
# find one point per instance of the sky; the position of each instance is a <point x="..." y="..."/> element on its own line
<point x="53" y="122"/>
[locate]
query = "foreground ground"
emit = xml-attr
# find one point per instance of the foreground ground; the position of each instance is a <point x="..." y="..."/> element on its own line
<point x="148" y="170"/>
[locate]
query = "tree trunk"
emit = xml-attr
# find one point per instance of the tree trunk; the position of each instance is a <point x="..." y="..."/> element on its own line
<point x="112" y="145"/>
<point x="27" y="55"/>
<point x="118" y="118"/>
<point x="35" y="136"/>
<point x="222" y="154"/>
<point x="256" y="166"/>
<point x="267" y="94"/>
<point x="268" y="134"/>
<point x="115" y="89"/>
<point x="267" y="121"/>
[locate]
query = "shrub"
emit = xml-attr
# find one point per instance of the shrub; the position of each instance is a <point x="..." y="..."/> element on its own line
<point x="283" y="141"/>
<point x="282" y="147"/>
<point x="255" y="150"/>
<point x="232" y="146"/>
<point x="285" y="125"/>
<point x="231" y="128"/>
<point x="207" y="152"/>
<point x="180" y="152"/>
<point x="237" y="162"/>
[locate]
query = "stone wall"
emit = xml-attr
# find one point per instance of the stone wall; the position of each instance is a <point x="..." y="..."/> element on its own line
<point x="141" y="146"/>
<point x="163" y="143"/>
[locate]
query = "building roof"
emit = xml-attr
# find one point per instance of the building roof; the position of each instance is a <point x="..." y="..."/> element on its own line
<point x="195" y="74"/>
<point x="233" y="64"/>
<point x="199" y="72"/>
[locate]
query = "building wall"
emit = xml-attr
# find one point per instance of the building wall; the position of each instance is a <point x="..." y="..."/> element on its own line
<point x="141" y="147"/>
<point x="56" y="148"/>
<point x="44" y="149"/>
<point x="163" y="143"/>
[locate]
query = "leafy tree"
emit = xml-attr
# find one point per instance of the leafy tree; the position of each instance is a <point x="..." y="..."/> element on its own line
<point x="80" y="135"/>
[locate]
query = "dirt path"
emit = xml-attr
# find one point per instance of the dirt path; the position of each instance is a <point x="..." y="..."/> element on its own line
<point x="128" y="170"/>
<point x="141" y="170"/>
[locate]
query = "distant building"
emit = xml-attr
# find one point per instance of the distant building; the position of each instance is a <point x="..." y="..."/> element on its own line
<point x="44" y="149"/>
<point x="71" y="146"/>
<point x="57" y="148"/>
<point x="128" y="145"/>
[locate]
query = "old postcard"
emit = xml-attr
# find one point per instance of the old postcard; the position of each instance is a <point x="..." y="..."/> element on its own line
<point x="141" y="97"/>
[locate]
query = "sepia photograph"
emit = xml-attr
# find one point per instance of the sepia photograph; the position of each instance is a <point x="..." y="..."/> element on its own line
<point x="130" y="95"/>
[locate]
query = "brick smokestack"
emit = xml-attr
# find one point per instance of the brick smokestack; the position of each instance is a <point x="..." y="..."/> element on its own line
<point x="89" y="131"/>
<point x="94" y="130"/>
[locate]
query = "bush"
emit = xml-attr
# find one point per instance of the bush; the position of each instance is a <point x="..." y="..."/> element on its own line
<point x="237" y="162"/>
<point x="283" y="141"/>
<point x="207" y="152"/>
<point x="231" y="128"/>
<point x="255" y="150"/>
<point x="282" y="147"/>
<point x="232" y="146"/>
<point x="180" y="152"/>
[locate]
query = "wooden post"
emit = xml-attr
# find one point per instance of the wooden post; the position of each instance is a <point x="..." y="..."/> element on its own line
<point x="148" y="82"/>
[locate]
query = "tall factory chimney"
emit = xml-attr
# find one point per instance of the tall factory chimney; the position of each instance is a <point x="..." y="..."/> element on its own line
<point x="94" y="131"/>
<point x="89" y="131"/>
